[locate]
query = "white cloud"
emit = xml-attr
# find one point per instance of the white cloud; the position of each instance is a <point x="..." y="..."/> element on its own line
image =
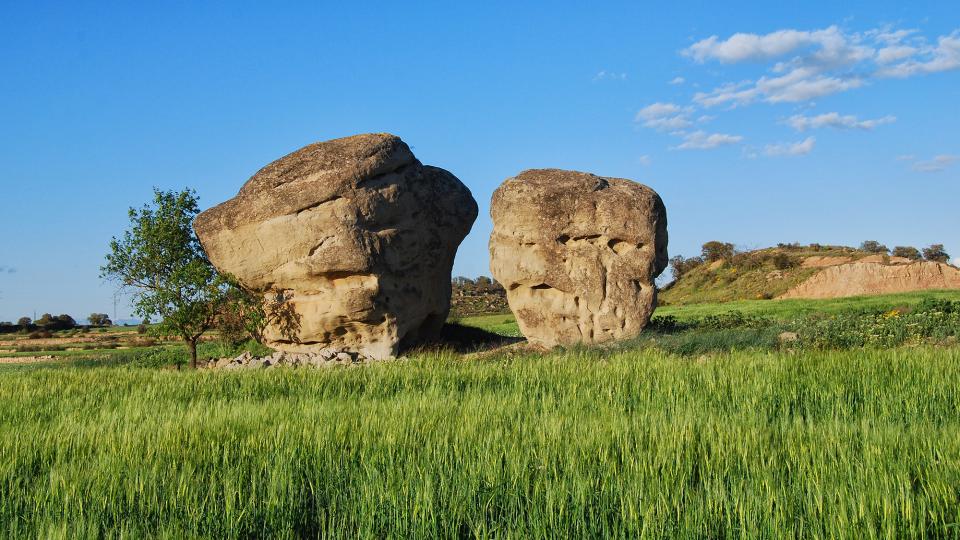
<point x="906" y="157"/>
<point x="937" y="164"/>
<point x="603" y="75"/>
<point x="835" y="120"/>
<point x="677" y="80"/>
<point x="658" y="110"/>
<point x="825" y="62"/>
<point x="800" y="84"/>
<point x="701" y="140"/>
<point x="893" y="53"/>
<point x="741" y="47"/>
<point x="665" y="117"/>
<point x="801" y="148"/>
<point x="944" y="57"/>
<point x="645" y="160"/>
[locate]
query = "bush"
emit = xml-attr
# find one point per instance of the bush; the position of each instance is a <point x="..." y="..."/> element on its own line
<point x="782" y="261"/>
<point x="931" y="320"/>
<point x="907" y="252"/>
<point x="872" y="246"/>
<point x="936" y="253"/>
<point x="716" y="251"/>
<point x="749" y="261"/>
<point x="680" y="266"/>
<point x="40" y="334"/>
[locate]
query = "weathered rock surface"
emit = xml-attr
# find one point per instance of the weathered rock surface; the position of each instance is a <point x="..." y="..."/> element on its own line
<point x="357" y="232"/>
<point x="863" y="278"/>
<point x="578" y="254"/>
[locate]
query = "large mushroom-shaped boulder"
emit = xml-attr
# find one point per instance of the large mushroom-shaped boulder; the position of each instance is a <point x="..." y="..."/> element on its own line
<point x="356" y="233"/>
<point x="577" y="254"/>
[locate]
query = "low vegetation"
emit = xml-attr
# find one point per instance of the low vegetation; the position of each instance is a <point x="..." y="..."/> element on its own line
<point x="580" y="443"/>
<point x="751" y="419"/>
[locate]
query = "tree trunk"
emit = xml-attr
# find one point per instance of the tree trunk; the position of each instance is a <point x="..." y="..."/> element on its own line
<point x="192" y="343"/>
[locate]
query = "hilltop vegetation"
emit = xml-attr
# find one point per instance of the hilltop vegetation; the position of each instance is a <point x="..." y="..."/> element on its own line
<point x="723" y="274"/>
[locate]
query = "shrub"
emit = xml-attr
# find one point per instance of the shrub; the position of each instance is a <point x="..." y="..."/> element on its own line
<point x="749" y="261"/>
<point x="680" y="266"/>
<point x="907" y="252"/>
<point x="872" y="246"/>
<point x="40" y="334"/>
<point x="716" y="251"/>
<point x="936" y="253"/>
<point x="782" y="261"/>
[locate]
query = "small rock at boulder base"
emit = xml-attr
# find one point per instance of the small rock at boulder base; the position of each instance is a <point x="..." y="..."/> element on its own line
<point x="577" y="254"/>
<point x="356" y="232"/>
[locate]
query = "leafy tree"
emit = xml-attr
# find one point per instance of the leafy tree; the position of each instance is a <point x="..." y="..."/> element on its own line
<point x="716" y="251"/>
<point x="907" y="252"/>
<point x="24" y="321"/>
<point x="99" y="319"/>
<point x="872" y="246"/>
<point x="161" y="260"/>
<point x="679" y="266"/>
<point x="936" y="253"/>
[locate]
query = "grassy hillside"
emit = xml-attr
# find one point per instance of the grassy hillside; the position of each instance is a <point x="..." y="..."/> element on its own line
<point x="761" y="274"/>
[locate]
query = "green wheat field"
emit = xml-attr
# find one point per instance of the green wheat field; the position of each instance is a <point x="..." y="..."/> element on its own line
<point x="630" y="442"/>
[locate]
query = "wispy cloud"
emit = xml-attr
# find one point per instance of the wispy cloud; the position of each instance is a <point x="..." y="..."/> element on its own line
<point x="813" y="64"/>
<point x="701" y="140"/>
<point x="937" y="164"/>
<point x="677" y="80"/>
<point x="645" y="160"/>
<point x="800" y="148"/>
<point x="604" y="75"/>
<point x="836" y="120"/>
<point x="800" y="67"/>
<point x="665" y="117"/>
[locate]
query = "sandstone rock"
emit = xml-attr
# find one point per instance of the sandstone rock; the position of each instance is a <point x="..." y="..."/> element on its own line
<point x="861" y="278"/>
<point x="358" y="233"/>
<point x="577" y="254"/>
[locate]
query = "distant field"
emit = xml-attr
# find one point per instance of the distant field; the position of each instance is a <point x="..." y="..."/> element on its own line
<point x="776" y="309"/>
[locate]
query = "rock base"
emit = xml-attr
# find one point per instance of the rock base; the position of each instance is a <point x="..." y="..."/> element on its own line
<point x="319" y="359"/>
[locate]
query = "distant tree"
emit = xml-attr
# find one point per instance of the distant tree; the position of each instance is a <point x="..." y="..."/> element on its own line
<point x="160" y="258"/>
<point x="59" y="322"/>
<point x="99" y="319"/>
<point x="872" y="246"/>
<point x="716" y="251"/>
<point x="936" y="253"/>
<point x="907" y="252"/>
<point x="679" y="266"/>
<point x="24" y="321"/>
<point x="483" y="283"/>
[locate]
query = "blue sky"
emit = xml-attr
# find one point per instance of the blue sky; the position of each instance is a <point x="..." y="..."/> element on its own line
<point x="757" y="122"/>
